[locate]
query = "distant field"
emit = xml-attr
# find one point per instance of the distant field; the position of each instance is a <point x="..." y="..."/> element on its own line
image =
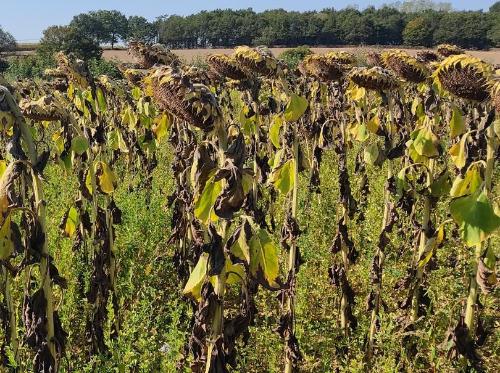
<point x="492" y="56"/>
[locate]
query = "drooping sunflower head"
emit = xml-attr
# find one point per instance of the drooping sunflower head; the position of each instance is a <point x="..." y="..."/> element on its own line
<point x="150" y="55"/>
<point x="258" y="60"/>
<point x="447" y="50"/>
<point x="47" y="108"/>
<point x="495" y="93"/>
<point x="75" y="70"/>
<point x="323" y="68"/>
<point x="134" y="76"/>
<point x="464" y="76"/>
<point x="373" y="78"/>
<point x="405" y="66"/>
<point x="340" y="57"/>
<point x="54" y="73"/>
<point x="196" y="74"/>
<point x="175" y="93"/>
<point x="374" y="59"/>
<point x="226" y="66"/>
<point x="427" y="56"/>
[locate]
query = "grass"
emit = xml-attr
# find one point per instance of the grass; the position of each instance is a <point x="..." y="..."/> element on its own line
<point x="155" y="318"/>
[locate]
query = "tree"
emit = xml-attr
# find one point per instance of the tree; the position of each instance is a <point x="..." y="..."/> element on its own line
<point x="494" y="30"/>
<point x="140" y="29"/>
<point x="69" y="40"/>
<point x="354" y="27"/>
<point x="87" y="25"/>
<point x="103" y="26"/>
<point x="417" y="6"/>
<point x="388" y="24"/>
<point x="7" y="41"/>
<point x="113" y="26"/>
<point x="418" y="32"/>
<point x="495" y="8"/>
<point x="472" y="32"/>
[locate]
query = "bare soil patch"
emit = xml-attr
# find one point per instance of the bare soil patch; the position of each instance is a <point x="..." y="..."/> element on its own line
<point x="190" y="55"/>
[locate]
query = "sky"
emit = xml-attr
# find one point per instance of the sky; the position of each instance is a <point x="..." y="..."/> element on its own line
<point x="26" y="19"/>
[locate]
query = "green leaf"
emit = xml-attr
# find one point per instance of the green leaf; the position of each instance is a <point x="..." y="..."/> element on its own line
<point x="283" y="178"/>
<point x="241" y="248"/>
<point x="107" y="179"/>
<point x="360" y="132"/>
<point x="205" y="203"/>
<point x="79" y="145"/>
<point x="296" y="107"/>
<point x="468" y="184"/>
<point x="370" y="154"/>
<point x="417" y="108"/>
<point x="6" y="245"/>
<point x="161" y="126"/>
<point x="3" y="167"/>
<point x="101" y="101"/>
<point x="235" y="272"/>
<point x="274" y="131"/>
<point x="356" y="93"/>
<point x="136" y="93"/>
<point x="475" y="217"/>
<point x="441" y="185"/>
<point x="58" y="139"/>
<point x="457" y="123"/>
<point x="458" y="152"/>
<point x="247" y="123"/>
<point x="264" y="258"/>
<point x="373" y="124"/>
<point x="112" y="140"/>
<point x="425" y="143"/>
<point x="197" y="278"/>
<point x="72" y="221"/>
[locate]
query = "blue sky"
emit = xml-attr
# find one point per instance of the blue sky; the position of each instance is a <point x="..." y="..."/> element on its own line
<point x="26" y="19"/>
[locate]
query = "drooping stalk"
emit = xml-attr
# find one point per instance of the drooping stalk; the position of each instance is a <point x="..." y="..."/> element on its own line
<point x="41" y="219"/>
<point x="112" y="266"/>
<point x="426" y="215"/>
<point x="292" y="258"/>
<point x="217" y="327"/>
<point x="473" y="287"/>
<point x="12" y="337"/>
<point x="44" y="266"/>
<point x="380" y="254"/>
<point x="344" y="303"/>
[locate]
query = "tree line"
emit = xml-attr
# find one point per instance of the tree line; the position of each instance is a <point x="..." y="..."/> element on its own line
<point x="389" y="25"/>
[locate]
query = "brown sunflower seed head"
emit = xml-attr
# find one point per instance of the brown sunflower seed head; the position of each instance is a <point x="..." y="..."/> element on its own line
<point x="259" y="60"/>
<point x="76" y="70"/>
<point x="374" y="59"/>
<point x="190" y="102"/>
<point x="427" y="56"/>
<point x="464" y="76"/>
<point x="59" y="84"/>
<point x="47" y="108"/>
<point x="447" y="50"/>
<point x="341" y="57"/>
<point x="495" y="95"/>
<point x="373" y="78"/>
<point x="134" y="76"/>
<point x="323" y="68"/>
<point x="54" y="73"/>
<point x="405" y="66"/>
<point x="226" y="66"/>
<point x="196" y="74"/>
<point x="150" y="55"/>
